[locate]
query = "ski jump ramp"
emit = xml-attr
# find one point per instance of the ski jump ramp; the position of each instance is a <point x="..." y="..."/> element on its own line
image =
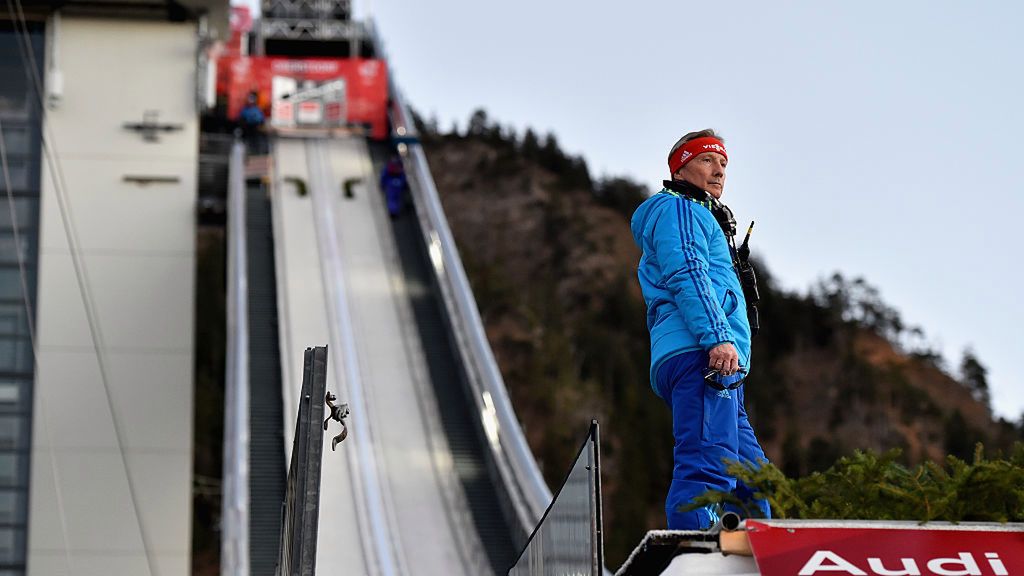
<point x="390" y="503"/>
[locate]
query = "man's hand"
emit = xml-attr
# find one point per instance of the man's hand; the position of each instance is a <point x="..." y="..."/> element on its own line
<point x="724" y="358"/>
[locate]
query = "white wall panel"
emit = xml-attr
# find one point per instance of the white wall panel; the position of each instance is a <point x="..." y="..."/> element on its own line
<point x="150" y="217"/>
<point x="98" y="519"/>
<point x="159" y="477"/>
<point x="77" y="413"/>
<point x="152" y="393"/>
<point x="155" y="322"/>
<point x="124" y="68"/>
<point x="144" y="301"/>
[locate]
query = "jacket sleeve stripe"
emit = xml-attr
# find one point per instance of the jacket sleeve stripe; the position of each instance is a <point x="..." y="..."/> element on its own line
<point x="715" y="320"/>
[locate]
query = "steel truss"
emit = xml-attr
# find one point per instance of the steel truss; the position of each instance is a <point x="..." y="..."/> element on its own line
<point x="311" y="29"/>
<point x="327" y="9"/>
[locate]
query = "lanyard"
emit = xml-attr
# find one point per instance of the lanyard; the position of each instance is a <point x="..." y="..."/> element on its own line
<point x="704" y="203"/>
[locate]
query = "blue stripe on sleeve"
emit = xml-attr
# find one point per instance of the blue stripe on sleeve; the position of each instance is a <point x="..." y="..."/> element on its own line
<point x="718" y="327"/>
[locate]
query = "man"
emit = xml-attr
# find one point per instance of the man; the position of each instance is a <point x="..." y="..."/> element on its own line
<point x="251" y="120"/>
<point x="700" y="334"/>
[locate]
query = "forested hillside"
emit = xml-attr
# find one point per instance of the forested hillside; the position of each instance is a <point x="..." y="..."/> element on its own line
<point x="552" y="263"/>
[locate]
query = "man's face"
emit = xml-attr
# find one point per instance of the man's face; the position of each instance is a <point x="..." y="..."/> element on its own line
<point x="706" y="171"/>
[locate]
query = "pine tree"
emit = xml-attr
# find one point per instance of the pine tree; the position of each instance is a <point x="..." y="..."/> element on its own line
<point x="974" y="376"/>
<point x="869" y="486"/>
<point x="530" y="146"/>
<point x="478" y="123"/>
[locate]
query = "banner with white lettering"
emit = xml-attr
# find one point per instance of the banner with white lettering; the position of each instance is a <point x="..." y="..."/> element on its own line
<point x="325" y="92"/>
<point x="800" y="549"/>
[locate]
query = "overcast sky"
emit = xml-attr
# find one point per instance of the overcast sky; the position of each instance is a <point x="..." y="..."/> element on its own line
<point x="875" y="138"/>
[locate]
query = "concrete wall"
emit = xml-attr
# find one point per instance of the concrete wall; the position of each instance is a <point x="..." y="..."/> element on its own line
<point x="137" y="246"/>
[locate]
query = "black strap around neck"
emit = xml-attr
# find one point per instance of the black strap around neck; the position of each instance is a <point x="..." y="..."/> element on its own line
<point x="720" y="211"/>
<point x="689" y="190"/>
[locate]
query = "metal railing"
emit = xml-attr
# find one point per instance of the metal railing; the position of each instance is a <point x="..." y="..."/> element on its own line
<point x="299" y="526"/>
<point x="568" y="541"/>
<point x="235" y="492"/>
<point x="527" y="492"/>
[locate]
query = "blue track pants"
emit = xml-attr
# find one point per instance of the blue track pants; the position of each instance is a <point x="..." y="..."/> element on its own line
<point x="394" y="197"/>
<point x="709" y="425"/>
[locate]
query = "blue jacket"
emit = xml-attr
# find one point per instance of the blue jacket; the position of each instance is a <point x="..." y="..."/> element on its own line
<point x="392" y="182"/>
<point x="251" y="115"/>
<point x="694" y="299"/>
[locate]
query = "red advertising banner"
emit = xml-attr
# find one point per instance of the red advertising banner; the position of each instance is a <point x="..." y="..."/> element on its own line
<point x="796" y="550"/>
<point x="241" y="19"/>
<point x="241" y="25"/>
<point x="327" y="91"/>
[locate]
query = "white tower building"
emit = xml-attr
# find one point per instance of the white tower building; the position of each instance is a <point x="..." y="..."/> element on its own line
<point x="98" y="265"/>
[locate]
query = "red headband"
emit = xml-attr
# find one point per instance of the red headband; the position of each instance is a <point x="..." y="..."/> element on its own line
<point x="691" y="149"/>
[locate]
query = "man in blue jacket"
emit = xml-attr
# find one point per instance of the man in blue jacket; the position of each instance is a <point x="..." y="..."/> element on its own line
<point x="700" y="335"/>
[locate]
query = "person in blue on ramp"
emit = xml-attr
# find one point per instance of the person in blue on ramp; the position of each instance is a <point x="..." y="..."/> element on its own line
<point x="250" y="121"/>
<point x="393" y="183"/>
<point x="700" y="334"/>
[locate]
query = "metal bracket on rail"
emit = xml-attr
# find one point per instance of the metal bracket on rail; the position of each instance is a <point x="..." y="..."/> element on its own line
<point x="338" y="412"/>
<point x="401" y="135"/>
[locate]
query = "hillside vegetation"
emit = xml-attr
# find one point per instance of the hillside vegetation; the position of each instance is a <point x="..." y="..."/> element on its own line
<point x="877" y="487"/>
<point x="552" y="263"/>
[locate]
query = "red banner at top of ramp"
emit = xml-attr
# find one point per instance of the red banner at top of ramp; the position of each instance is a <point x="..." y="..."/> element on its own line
<point x="366" y="84"/>
<point x="793" y="549"/>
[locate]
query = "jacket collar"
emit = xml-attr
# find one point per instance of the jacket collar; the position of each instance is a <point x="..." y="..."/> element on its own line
<point x="690" y="192"/>
<point x="721" y="212"/>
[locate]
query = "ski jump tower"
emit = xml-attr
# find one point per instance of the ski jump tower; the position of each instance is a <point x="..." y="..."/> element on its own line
<point x="100" y="106"/>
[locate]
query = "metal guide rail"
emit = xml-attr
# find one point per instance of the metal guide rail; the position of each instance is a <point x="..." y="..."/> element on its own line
<point x="297" y="552"/>
<point x="527" y="492"/>
<point x="235" y="499"/>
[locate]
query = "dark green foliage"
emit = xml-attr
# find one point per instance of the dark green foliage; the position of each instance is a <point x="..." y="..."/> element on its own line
<point x="620" y="194"/>
<point x="530" y="146"/>
<point x="822" y="454"/>
<point x="478" y="124"/>
<point x="858" y="303"/>
<point x="869" y="486"/>
<point x="913" y="403"/>
<point x="960" y="437"/>
<point x="974" y="376"/>
<point x="422" y="126"/>
<point x="571" y="170"/>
